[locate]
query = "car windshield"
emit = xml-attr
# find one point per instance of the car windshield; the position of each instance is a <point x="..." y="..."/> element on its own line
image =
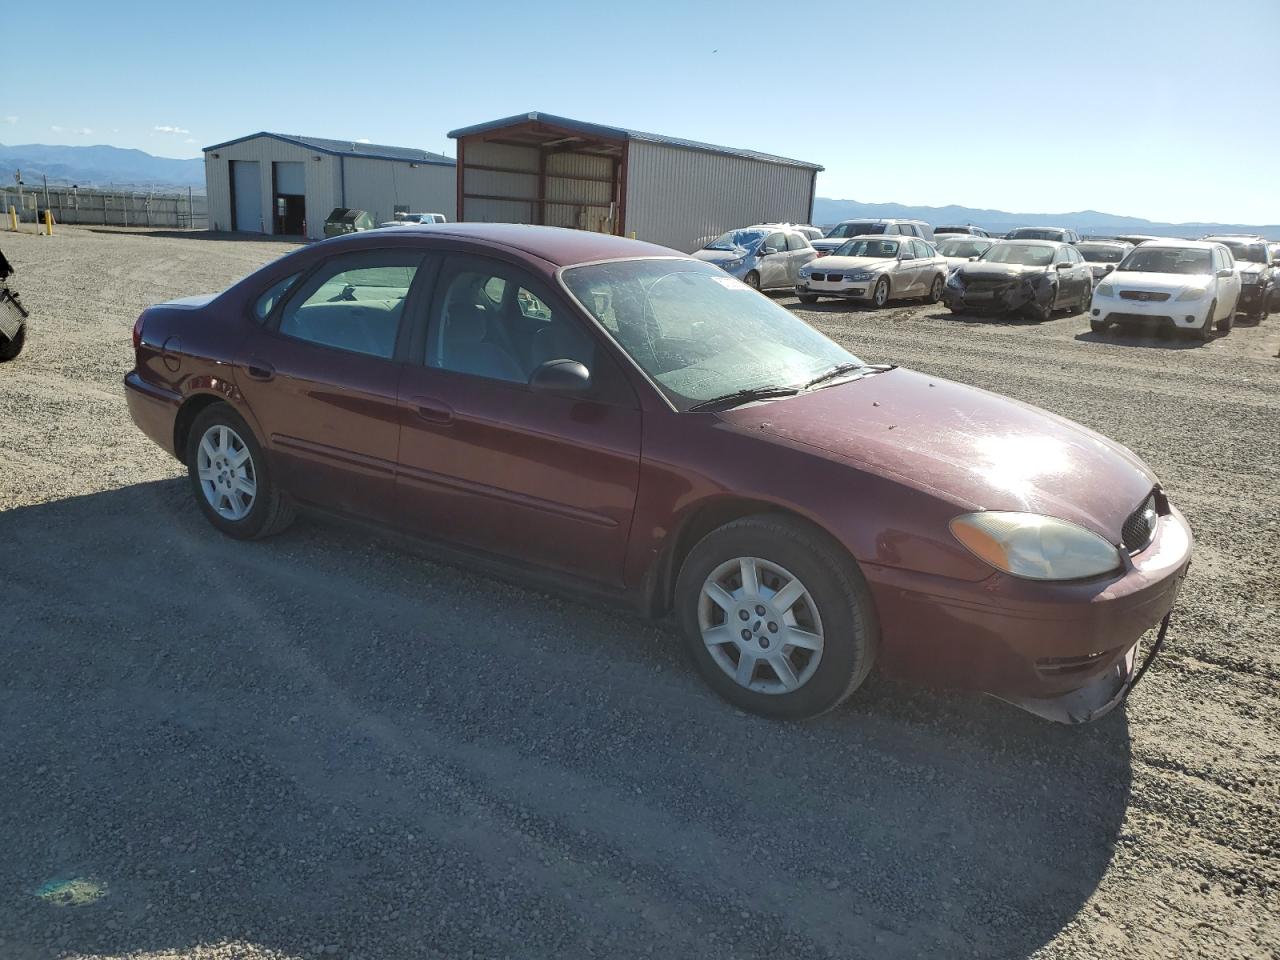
<point x="855" y="230"/>
<point x="1189" y="260"/>
<point x="1101" y="252"/>
<point x="736" y="240"/>
<point x="1034" y="233"/>
<point x="880" y="249"/>
<point x="1026" y="254"/>
<point x="699" y="334"/>
<point x="1252" y="252"/>
<point x="962" y="247"/>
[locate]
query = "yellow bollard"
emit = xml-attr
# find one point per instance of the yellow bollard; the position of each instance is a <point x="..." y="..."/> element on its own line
<point x="48" y="222"/>
<point x="13" y="219"/>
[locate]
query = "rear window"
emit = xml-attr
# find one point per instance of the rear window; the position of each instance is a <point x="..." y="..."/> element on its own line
<point x="1034" y="233"/>
<point x="855" y="230"/>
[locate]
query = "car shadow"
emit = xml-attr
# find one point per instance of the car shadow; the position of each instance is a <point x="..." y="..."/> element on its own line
<point x="200" y="235"/>
<point x="322" y="745"/>
<point x="1148" y="335"/>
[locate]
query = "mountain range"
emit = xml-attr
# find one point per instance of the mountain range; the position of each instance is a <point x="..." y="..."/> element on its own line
<point x="97" y="166"/>
<point x="999" y="222"/>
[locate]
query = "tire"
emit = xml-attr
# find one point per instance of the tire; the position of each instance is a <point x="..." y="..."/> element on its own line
<point x="1227" y="322"/>
<point x="833" y="610"/>
<point x="1205" y="332"/>
<point x="935" y="291"/>
<point x="808" y="297"/>
<point x="11" y="348"/>
<point x="1099" y="326"/>
<point x="752" y="280"/>
<point x="266" y="511"/>
<point x="1086" y="299"/>
<point x="880" y="295"/>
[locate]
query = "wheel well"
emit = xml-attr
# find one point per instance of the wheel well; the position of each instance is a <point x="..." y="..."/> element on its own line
<point x="187" y="414"/>
<point x="702" y="522"/>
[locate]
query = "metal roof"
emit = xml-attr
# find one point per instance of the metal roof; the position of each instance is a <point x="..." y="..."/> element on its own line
<point x="622" y="133"/>
<point x="348" y="148"/>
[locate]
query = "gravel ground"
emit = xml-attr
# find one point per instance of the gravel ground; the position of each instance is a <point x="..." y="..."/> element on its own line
<point x="324" y="745"/>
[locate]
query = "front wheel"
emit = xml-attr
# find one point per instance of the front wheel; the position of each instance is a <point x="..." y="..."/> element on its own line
<point x="11" y="348"/>
<point x="935" y="291"/>
<point x="880" y="295"/>
<point x="752" y="280"/>
<point x="1227" y="322"/>
<point x="777" y="619"/>
<point x="231" y="478"/>
<point x="1098" y="326"/>
<point x="1205" y="332"/>
<point x="808" y="298"/>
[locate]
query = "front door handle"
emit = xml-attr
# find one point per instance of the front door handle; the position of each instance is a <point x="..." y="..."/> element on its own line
<point x="432" y="410"/>
<point x="260" y="369"/>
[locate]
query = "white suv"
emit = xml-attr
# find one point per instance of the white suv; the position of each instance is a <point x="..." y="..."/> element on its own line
<point x="1189" y="284"/>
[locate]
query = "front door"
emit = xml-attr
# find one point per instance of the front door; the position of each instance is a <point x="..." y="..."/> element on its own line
<point x="489" y="463"/>
<point x="320" y="377"/>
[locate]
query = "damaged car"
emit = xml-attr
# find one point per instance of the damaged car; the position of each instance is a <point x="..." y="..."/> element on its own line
<point x="1033" y="278"/>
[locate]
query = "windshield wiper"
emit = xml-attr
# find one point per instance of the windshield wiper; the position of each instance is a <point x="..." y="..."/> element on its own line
<point x="739" y="397"/>
<point x="840" y="369"/>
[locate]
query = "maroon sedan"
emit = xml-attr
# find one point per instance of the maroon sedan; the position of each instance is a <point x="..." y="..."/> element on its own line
<point x="607" y="414"/>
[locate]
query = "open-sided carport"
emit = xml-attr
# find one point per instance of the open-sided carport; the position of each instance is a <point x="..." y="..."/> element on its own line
<point x="543" y="169"/>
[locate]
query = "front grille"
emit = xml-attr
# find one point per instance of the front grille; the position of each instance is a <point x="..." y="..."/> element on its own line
<point x="987" y="286"/>
<point x="1136" y="317"/>
<point x="818" y="276"/>
<point x="1141" y="525"/>
<point x="1144" y="295"/>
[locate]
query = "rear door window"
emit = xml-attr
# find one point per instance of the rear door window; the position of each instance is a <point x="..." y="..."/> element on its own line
<point x="796" y="242"/>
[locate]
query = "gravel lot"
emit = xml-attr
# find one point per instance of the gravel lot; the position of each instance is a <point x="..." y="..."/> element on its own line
<point x="326" y="745"/>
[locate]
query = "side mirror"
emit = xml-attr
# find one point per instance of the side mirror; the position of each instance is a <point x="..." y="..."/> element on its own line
<point x="1108" y="268"/>
<point x="972" y="259"/>
<point x="1063" y="266"/>
<point x="561" y="376"/>
<point x="1225" y="273"/>
<point x="565" y="376"/>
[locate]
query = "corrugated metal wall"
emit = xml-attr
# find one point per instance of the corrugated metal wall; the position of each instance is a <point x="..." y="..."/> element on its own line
<point x="378" y="185"/>
<point x="584" y="204"/>
<point x="679" y="198"/>
<point x="494" y="184"/>
<point x="323" y="189"/>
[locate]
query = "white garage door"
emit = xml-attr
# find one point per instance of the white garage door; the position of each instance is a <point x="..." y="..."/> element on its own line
<point x="247" y="188"/>
<point x="291" y="177"/>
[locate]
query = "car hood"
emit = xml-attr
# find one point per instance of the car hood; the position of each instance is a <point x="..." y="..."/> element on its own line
<point x="998" y="271"/>
<point x="1158" y="282"/>
<point x="976" y="449"/>
<point x="851" y="263"/>
<point x="822" y="243"/>
<point x="721" y="256"/>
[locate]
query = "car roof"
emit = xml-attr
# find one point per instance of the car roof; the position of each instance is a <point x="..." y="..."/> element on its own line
<point x="1111" y="240"/>
<point x="1035" y="241"/>
<point x="878" y="220"/>
<point x="561" y="246"/>
<point x="1175" y="242"/>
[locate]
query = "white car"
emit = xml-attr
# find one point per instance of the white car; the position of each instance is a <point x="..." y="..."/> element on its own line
<point x="414" y="219"/>
<point x="1188" y="284"/>
<point x="876" y="269"/>
<point x="960" y="248"/>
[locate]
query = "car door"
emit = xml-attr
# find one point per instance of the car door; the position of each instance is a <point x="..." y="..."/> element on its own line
<point x="906" y="282"/>
<point x="320" y="376"/>
<point x="1231" y="286"/>
<point x="798" y="254"/>
<point x="773" y="261"/>
<point x="489" y="463"/>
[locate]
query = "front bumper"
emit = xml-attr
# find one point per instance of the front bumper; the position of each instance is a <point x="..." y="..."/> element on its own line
<point x="1052" y="648"/>
<point x="1188" y="314"/>
<point x="1005" y="299"/>
<point x="1253" y="297"/>
<point x="844" y="291"/>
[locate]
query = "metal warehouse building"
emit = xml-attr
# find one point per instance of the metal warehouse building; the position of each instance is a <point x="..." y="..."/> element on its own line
<point x="285" y="184"/>
<point x="538" y="168"/>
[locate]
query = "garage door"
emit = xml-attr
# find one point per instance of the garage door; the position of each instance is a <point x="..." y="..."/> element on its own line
<point x="246" y="186"/>
<point x="291" y="178"/>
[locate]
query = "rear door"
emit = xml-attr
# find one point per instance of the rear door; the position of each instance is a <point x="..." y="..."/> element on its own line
<point x="321" y="375"/>
<point x="774" y="270"/>
<point x="487" y="462"/>
<point x="798" y="254"/>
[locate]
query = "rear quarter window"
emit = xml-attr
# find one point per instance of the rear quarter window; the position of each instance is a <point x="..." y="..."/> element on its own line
<point x="268" y="299"/>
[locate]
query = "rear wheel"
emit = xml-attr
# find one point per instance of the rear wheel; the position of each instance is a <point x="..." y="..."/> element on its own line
<point x="808" y="298"/>
<point x="777" y="619"/>
<point x="11" y="348"/>
<point x="935" y="291"/>
<point x="1086" y="298"/>
<point x="752" y="280"/>
<point x="880" y="295"/>
<point x="231" y="478"/>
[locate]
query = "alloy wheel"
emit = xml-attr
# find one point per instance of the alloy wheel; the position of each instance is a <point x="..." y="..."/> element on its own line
<point x="761" y="625"/>
<point x="227" y="475"/>
<point x="881" y="294"/>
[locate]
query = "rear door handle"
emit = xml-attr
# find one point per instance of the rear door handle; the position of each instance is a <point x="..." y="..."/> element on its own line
<point x="260" y="370"/>
<point x="432" y="410"/>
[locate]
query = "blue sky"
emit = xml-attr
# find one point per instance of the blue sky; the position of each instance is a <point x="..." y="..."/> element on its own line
<point x="1163" y="109"/>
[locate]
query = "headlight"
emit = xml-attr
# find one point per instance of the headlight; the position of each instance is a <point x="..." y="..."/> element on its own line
<point x="1105" y="289"/>
<point x="1194" y="293"/>
<point x="859" y="276"/>
<point x="955" y="280"/>
<point x="1035" y="547"/>
<point x="732" y="264"/>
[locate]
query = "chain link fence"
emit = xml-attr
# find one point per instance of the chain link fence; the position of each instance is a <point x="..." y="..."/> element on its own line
<point x="119" y="208"/>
